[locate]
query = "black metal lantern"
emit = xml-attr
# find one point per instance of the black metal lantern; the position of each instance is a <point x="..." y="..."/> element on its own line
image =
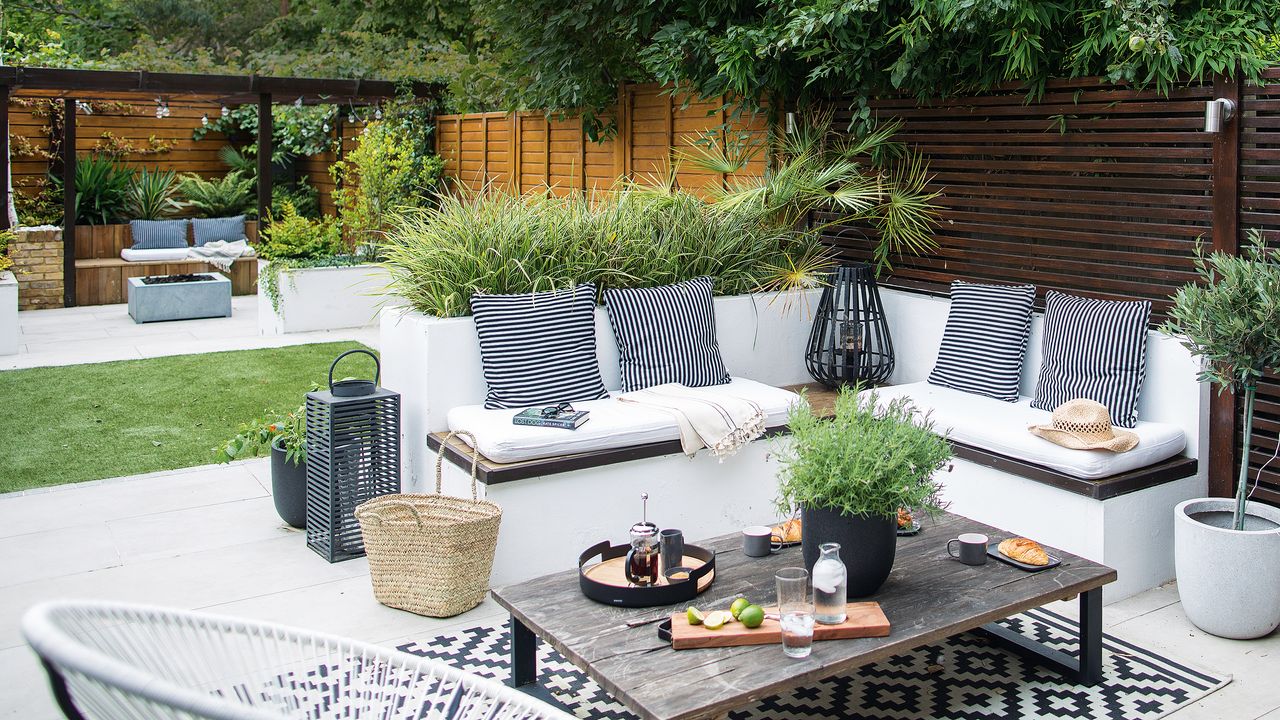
<point x="850" y="340"/>
<point x="353" y="455"/>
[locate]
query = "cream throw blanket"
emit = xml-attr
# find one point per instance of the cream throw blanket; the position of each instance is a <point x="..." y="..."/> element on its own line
<point x="720" y="422"/>
<point x="219" y="253"/>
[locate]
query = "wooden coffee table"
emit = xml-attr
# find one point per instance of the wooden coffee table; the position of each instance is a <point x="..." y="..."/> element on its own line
<point x="927" y="598"/>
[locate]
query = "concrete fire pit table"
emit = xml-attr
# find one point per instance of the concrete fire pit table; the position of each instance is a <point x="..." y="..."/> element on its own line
<point x="160" y="297"/>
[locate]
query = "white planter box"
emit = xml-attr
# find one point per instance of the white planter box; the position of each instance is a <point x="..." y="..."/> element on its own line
<point x="8" y="314"/>
<point x="434" y="363"/>
<point x="326" y="298"/>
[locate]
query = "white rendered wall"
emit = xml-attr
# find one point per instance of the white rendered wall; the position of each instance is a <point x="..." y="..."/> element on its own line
<point x="8" y="314"/>
<point x="434" y="363"/>
<point x="326" y="298"/>
<point x="547" y="521"/>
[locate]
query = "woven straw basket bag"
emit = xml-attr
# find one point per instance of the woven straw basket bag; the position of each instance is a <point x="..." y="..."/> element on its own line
<point x="431" y="554"/>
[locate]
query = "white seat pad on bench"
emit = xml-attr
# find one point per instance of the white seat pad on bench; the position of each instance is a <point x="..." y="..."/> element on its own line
<point x="153" y="254"/>
<point x="612" y="424"/>
<point x="1001" y="427"/>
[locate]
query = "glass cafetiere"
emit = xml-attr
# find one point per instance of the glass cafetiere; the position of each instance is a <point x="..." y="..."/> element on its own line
<point x="642" y="559"/>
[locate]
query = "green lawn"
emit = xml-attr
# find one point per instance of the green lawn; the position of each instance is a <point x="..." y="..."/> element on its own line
<point x="87" y="422"/>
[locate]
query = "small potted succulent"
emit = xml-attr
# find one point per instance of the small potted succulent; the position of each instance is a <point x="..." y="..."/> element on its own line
<point x="850" y="473"/>
<point x="1227" y="550"/>
<point x="286" y="436"/>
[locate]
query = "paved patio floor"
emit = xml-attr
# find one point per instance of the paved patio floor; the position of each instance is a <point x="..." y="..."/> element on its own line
<point x="101" y="333"/>
<point x="208" y="538"/>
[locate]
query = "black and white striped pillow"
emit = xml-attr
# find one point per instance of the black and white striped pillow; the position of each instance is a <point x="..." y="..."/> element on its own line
<point x="985" y="339"/>
<point x="158" y="234"/>
<point x="539" y="348"/>
<point x="1095" y="349"/>
<point x="666" y="334"/>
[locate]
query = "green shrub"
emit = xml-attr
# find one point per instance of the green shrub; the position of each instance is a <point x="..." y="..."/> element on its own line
<point x="304" y="198"/>
<point x="392" y="167"/>
<point x="497" y="242"/>
<point x="866" y="460"/>
<point x="292" y="236"/>
<point x="102" y="186"/>
<point x="152" y="195"/>
<point x="42" y="207"/>
<point x="230" y="195"/>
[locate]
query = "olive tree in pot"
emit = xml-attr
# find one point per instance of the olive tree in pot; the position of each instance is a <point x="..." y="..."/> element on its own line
<point x="851" y="472"/>
<point x="286" y="436"/>
<point x="1227" y="550"/>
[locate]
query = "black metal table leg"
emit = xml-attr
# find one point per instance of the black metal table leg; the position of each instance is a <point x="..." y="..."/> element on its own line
<point x="1085" y="669"/>
<point x="524" y="655"/>
<point x="524" y="664"/>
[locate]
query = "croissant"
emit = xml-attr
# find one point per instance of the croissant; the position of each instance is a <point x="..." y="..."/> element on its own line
<point x="1024" y="551"/>
<point x="789" y="531"/>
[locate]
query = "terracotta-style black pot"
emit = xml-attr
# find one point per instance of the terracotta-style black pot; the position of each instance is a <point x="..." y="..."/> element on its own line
<point x="288" y="487"/>
<point x="867" y="545"/>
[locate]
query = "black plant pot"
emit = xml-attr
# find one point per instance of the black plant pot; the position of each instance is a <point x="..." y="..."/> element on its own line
<point x="289" y="487"/>
<point x="867" y="545"/>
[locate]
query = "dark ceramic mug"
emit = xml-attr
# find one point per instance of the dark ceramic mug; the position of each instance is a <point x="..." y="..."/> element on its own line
<point x="973" y="548"/>
<point x="760" y="541"/>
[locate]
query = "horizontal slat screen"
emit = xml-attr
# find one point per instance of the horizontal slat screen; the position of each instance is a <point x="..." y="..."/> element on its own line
<point x="1260" y="209"/>
<point x="1092" y="188"/>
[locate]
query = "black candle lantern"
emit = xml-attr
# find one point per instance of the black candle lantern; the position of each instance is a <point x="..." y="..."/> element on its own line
<point x="850" y="340"/>
<point x="353" y="455"/>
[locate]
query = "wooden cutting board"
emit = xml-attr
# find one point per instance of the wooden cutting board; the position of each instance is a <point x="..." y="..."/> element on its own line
<point x="865" y="619"/>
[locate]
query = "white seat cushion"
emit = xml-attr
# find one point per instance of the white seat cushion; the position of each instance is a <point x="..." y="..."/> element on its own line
<point x="162" y="254"/>
<point x="612" y="424"/>
<point x="1001" y="427"/>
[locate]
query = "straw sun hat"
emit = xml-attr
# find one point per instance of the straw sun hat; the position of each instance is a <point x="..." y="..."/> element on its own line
<point x="1083" y="424"/>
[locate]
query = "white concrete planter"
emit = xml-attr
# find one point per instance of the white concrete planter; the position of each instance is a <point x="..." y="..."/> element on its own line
<point x="8" y="314"/>
<point x="325" y="298"/>
<point x="1228" y="580"/>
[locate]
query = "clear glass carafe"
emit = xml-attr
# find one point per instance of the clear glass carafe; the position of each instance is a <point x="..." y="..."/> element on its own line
<point x="830" y="581"/>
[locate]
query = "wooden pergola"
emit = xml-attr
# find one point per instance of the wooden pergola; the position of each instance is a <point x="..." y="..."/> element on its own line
<point x="72" y="85"/>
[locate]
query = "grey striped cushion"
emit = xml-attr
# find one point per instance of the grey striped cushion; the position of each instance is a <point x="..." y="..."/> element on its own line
<point x="158" y="234"/>
<point x="666" y="335"/>
<point x="539" y="348"/>
<point x="1095" y="349"/>
<point x="228" y="229"/>
<point x="985" y="339"/>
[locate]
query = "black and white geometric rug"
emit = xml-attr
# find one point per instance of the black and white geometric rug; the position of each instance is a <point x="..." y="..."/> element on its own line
<point x="963" y="678"/>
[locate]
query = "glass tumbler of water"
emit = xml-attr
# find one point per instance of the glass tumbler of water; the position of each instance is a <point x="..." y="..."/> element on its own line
<point x="795" y="611"/>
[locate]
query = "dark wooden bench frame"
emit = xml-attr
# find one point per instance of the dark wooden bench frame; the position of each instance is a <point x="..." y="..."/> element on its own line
<point x="491" y="473"/>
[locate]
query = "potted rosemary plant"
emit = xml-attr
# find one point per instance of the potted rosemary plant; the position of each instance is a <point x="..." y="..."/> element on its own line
<point x="286" y="436"/>
<point x="1227" y="550"/>
<point x="850" y="473"/>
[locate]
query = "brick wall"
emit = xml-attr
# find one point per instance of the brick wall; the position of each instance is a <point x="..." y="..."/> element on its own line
<point x="37" y="263"/>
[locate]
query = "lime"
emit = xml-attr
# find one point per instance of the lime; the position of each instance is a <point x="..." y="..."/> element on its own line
<point x="751" y="616"/>
<point x="694" y="615"/>
<point x="716" y="620"/>
<point x="737" y="606"/>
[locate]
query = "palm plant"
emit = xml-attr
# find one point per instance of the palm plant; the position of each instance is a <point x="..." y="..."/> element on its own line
<point x="152" y="195"/>
<point x="232" y="194"/>
<point x="1231" y="319"/>
<point x="102" y="185"/>
<point x="867" y="178"/>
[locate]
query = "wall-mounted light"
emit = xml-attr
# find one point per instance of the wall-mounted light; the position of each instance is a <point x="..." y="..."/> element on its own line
<point x="1217" y="113"/>
<point x="791" y="123"/>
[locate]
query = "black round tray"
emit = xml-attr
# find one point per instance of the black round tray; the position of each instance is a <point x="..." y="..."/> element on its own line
<point x="649" y="596"/>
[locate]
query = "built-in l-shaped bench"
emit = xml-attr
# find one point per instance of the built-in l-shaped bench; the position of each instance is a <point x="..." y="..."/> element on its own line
<point x="554" y="507"/>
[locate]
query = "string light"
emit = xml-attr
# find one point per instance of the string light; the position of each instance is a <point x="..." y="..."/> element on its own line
<point x="225" y="111"/>
<point x="204" y="120"/>
<point x="298" y="103"/>
<point x="351" y="118"/>
<point x="159" y="108"/>
<point x="325" y="127"/>
<point x="377" y="115"/>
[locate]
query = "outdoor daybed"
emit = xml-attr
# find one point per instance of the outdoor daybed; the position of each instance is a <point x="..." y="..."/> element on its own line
<point x="568" y="492"/>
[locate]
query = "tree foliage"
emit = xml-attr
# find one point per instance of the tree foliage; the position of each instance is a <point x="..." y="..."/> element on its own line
<point x="797" y="50"/>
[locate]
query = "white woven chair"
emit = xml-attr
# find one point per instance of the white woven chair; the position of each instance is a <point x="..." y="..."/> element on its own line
<point x="111" y="661"/>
